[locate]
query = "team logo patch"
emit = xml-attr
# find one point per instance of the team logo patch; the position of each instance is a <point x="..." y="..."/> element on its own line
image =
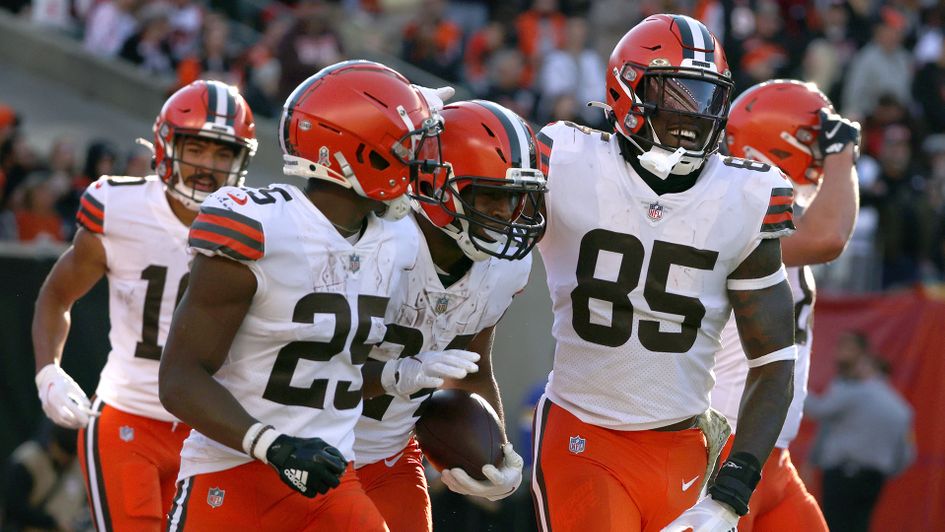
<point x="442" y="303"/>
<point x="655" y="211"/>
<point x="576" y="444"/>
<point x="354" y="262"/>
<point x="126" y="433"/>
<point x="215" y="497"/>
<point x="323" y="157"/>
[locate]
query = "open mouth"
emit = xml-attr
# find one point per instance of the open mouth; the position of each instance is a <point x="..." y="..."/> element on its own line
<point x="203" y="183"/>
<point x="685" y="137"/>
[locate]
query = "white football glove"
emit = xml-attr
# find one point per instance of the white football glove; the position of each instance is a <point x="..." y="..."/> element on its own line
<point x="63" y="400"/>
<point x="708" y="515"/>
<point x="406" y="376"/>
<point x="435" y="97"/>
<point x="501" y="481"/>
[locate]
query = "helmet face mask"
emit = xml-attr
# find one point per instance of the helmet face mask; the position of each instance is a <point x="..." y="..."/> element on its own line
<point x="489" y="193"/>
<point x="498" y="217"/>
<point x="194" y="181"/>
<point x="669" y="91"/>
<point x="212" y="112"/>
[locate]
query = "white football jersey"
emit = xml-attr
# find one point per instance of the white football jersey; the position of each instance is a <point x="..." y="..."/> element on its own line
<point x="425" y="316"/>
<point x="638" y="280"/>
<point x="295" y="362"/>
<point x="147" y="260"/>
<point x="731" y="366"/>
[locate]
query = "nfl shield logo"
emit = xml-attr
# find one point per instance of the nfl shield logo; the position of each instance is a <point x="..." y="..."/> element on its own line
<point x="354" y="262"/>
<point x="441" y="304"/>
<point x="215" y="497"/>
<point x="655" y="212"/>
<point x="126" y="433"/>
<point x="576" y="444"/>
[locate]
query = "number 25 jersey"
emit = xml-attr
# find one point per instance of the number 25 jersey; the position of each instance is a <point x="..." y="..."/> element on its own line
<point x="638" y="280"/>
<point x="295" y="362"/>
<point x="147" y="261"/>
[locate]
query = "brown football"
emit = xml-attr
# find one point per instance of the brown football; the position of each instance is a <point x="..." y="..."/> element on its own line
<point x="459" y="429"/>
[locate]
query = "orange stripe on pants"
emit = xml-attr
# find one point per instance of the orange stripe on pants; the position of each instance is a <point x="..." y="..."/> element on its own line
<point x="592" y="478"/>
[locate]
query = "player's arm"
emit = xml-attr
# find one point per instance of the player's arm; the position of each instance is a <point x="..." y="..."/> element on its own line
<point x="764" y="313"/>
<point x="483" y="381"/>
<point x="218" y="296"/>
<point x="73" y="275"/>
<point x="500" y="481"/>
<point x="825" y="228"/>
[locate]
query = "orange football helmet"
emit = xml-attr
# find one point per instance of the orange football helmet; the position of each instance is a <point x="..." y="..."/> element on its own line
<point x="488" y="149"/>
<point x="777" y="122"/>
<point x="361" y="125"/>
<point x="670" y="64"/>
<point x="210" y="110"/>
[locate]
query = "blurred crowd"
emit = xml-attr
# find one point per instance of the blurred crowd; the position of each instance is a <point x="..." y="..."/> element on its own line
<point x="881" y="62"/>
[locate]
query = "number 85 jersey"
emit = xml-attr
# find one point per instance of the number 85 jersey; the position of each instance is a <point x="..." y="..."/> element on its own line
<point x="638" y="281"/>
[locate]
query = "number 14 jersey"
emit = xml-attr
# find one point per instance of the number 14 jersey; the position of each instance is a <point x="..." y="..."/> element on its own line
<point x="147" y="261"/>
<point x="638" y="280"/>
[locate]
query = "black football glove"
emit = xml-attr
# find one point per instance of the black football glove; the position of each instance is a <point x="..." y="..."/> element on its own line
<point x="308" y="465"/>
<point x="836" y="132"/>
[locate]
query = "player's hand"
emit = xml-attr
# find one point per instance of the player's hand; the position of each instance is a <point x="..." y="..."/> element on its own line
<point x="406" y="376"/>
<point x="501" y="481"/>
<point x="836" y="132"/>
<point x="435" y="97"/>
<point x="708" y="515"/>
<point x="308" y="465"/>
<point x="63" y="400"/>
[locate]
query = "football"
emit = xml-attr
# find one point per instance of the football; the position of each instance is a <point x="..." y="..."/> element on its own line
<point x="459" y="429"/>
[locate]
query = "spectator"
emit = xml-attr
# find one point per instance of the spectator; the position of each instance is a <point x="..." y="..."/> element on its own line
<point x="505" y="82"/>
<point x="865" y="435"/>
<point x="432" y="42"/>
<point x="213" y="60"/>
<point x="882" y="67"/>
<point x="36" y="216"/>
<point x="309" y="46"/>
<point x="541" y="29"/>
<point x="828" y="54"/>
<point x="482" y="46"/>
<point x="186" y="21"/>
<point x="904" y="231"/>
<point x="149" y="47"/>
<point x="262" y="68"/>
<point x="42" y="487"/>
<point x="109" y="24"/>
<point x="575" y="70"/>
<point x="929" y="90"/>
<point x="764" y="56"/>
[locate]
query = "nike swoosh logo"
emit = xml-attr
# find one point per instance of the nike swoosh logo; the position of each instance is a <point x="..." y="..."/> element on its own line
<point x="241" y="201"/>
<point x="687" y="485"/>
<point x="389" y="462"/>
<point x="833" y="131"/>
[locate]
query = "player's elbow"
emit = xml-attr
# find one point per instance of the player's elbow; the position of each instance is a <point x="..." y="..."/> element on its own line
<point x="171" y="388"/>
<point x="831" y="245"/>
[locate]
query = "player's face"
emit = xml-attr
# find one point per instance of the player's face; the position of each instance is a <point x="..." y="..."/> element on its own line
<point x="205" y="164"/>
<point x="677" y="100"/>
<point x="491" y="202"/>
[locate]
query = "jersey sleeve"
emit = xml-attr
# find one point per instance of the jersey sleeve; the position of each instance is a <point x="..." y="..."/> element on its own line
<point x="91" y="213"/>
<point x="221" y="229"/>
<point x="778" y="220"/>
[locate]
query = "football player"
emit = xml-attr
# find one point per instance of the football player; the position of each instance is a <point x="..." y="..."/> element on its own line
<point x="792" y="125"/>
<point x="479" y="220"/>
<point x="134" y="231"/>
<point x="287" y="295"/>
<point x="653" y="239"/>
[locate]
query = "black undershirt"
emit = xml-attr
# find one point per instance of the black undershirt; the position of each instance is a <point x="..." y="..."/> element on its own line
<point x="673" y="184"/>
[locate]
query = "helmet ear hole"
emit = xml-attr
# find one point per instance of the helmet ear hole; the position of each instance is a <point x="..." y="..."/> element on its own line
<point x="378" y="162"/>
